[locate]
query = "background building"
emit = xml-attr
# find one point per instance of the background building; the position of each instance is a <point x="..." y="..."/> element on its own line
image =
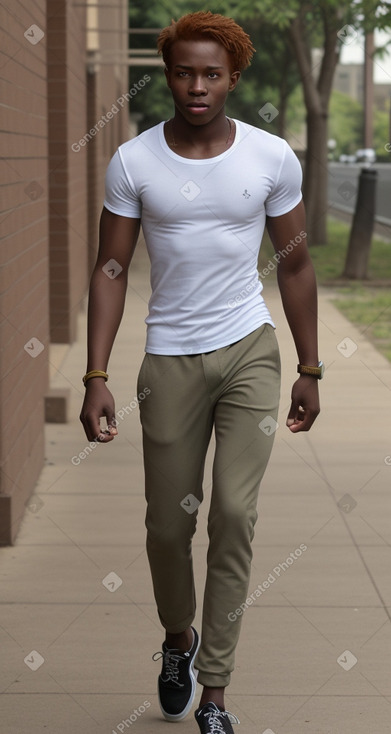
<point x="64" y="112"/>
<point x="349" y="80"/>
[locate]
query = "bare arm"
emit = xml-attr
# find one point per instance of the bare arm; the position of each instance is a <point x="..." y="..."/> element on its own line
<point x="117" y="242"/>
<point x="297" y="284"/>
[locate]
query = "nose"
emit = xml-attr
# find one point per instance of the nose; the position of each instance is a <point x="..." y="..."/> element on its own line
<point x="197" y="86"/>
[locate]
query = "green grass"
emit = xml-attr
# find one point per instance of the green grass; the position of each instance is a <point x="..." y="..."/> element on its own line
<point x="369" y="309"/>
<point x="366" y="303"/>
<point x="329" y="260"/>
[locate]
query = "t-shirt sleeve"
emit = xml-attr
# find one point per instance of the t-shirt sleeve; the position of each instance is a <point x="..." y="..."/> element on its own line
<point x="286" y="193"/>
<point x="120" y="193"/>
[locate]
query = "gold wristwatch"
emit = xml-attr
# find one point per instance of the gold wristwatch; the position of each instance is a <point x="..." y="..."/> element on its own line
<point x="317" y="372"/>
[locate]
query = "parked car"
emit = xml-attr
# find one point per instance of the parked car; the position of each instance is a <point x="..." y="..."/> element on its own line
<point x="344" y="158"/>
<point x="365" y="155"/>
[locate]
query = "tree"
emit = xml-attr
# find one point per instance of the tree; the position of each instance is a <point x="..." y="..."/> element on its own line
<point x="381" y="133"/>
<point x="282" y="31"/>
<point x="272" y="76"/>
<point x="345" y="116"/>
<point x="325" y="24"/>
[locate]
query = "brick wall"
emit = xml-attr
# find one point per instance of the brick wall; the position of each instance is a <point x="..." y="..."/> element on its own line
<point x="67" y="114"/>
<point x="50" y="202"/>
<point x="106" y="83"/>
<point x="24" y="333"/>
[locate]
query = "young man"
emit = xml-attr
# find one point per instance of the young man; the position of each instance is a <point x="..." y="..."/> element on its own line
<point x="203" y="187"/>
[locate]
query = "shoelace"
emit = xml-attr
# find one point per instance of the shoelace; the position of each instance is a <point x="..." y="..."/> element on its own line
<point x="171" y="662"/>
<point x="215" y="720"/>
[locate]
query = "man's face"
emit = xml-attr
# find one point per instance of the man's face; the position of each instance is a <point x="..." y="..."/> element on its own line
<point x="200" y="78"/>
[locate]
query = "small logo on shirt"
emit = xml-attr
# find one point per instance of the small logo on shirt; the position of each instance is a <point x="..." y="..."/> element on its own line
<point x="190" y="190"/>
<point x="246" y="194"/>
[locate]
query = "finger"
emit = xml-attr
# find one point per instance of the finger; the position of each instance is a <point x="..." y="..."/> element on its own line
<point x="112" y="423"/>
<point x="104" y="437"/>
<point x="303" y="423"/>
<point x="296" y="418"/>
<point x="295" y="411"/>
<point x="95" y="432"/>
<point x="298" y="425"/>
<point x="91" y="426"/>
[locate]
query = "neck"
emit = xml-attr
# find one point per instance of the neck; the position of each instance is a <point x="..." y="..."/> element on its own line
<point x="207" y="134"/>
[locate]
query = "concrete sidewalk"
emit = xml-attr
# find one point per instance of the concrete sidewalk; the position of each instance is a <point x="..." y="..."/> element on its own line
<point x="78" y="620"/>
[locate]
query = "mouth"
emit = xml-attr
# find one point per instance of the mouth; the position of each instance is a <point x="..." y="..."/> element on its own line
<point x="201" y="105"/>
<point x="197" y="107"/>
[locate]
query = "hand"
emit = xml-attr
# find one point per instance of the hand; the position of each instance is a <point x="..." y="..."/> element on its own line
<point x="98" y="403"/>
<point x="304" y="405"/>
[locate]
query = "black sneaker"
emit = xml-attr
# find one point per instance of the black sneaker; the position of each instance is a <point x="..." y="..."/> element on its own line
<point x="177" y="681"/>
<point x="213" y="720"/>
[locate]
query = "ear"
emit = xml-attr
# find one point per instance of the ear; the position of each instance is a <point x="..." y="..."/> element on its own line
<point x="233" y="80"/>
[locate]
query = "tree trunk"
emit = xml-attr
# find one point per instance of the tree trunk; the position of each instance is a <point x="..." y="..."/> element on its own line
<point x="357" y="257"/>
<point x="316" y="97"/>
<point x="315" y="192"/>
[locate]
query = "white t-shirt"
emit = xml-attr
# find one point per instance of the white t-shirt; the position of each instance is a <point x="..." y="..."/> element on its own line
<point x="203" y="222"/>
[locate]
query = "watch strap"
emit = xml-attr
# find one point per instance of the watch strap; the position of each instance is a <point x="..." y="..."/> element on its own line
<point x="311" y="370"/>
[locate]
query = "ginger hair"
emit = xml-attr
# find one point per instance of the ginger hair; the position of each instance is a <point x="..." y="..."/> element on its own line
<point x="211" y="26"/>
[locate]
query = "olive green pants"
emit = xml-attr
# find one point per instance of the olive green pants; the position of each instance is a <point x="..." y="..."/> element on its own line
<point x="233" y="389"/>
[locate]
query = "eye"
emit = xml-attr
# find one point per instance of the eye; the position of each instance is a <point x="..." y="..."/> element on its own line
<point x="213" y="75"/>
<point x="182" y="74"/>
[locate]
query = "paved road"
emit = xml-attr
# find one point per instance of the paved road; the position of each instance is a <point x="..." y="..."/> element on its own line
<point x="343" y="186"/>
<point x="314" y="653"/>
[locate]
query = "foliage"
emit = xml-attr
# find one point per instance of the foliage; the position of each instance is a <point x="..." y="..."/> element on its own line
<point x="381" y="134"/>
<point x="345" y="123"/>
<point x="365" y="14"/>
<point x="271" y="77"/>
<point x="324" y="24"/>
<point x="295" y="114"/>
<point x="283" y="32"/>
